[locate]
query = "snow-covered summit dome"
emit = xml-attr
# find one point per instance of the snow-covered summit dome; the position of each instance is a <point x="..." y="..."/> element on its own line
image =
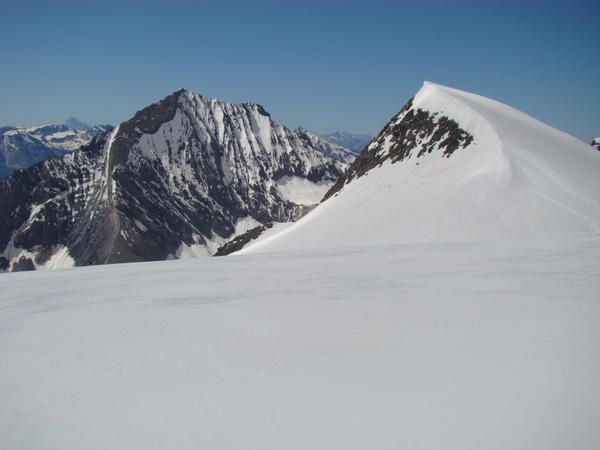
<point x="450" y="166"/>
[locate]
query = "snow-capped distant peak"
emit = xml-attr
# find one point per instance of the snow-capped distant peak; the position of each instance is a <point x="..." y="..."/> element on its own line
<point x="353" y="141"/>
<point x="333" y="150"/>
<point x="21" y="147"/>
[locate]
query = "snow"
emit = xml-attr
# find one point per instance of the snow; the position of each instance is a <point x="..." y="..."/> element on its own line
<point x="60" y="135"/>
<point x="301" y="190"/>
<point x="209" y="245"/>
<point x="140" y="225"/>
<point x="60" y="259"/>
<point x="245" y="224"/>
<point x="188" y="251"/>
<point x="65" y="139"/>
<point x="427" y="346"/>
<point x="519" y="178"/>
<point x="449" y="304"/>
<point x="108" y="176"/>
<point x="353" y="141"/>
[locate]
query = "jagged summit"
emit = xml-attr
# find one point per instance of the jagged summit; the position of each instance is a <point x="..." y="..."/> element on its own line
<point x="455" y="166"/>
<point x="353" y="141"/>
<point x="180" y="178"/>
<point x="190" y="93"/>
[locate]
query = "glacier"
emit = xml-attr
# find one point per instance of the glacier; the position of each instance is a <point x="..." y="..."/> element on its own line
<point x="438" y="345"/>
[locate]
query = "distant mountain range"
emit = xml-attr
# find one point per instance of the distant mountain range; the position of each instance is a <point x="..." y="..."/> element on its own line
<point x="22" y="147"/>
<point x="76" y="124"/>
<point x="354" y="141"/>
<point x="179" y="179"/>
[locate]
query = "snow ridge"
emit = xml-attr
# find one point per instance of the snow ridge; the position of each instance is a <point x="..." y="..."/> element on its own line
<point x="455" y="166"/>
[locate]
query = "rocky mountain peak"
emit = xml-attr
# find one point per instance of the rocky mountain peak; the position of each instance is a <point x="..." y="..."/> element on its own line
<point x="179" y="178"/>
<point x="410" y="134"/>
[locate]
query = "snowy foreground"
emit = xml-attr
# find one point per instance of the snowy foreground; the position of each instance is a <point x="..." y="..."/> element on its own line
<point x="425" y="346"/>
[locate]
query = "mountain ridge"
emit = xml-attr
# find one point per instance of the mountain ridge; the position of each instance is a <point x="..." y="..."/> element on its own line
<point x="454" y="166"/>
<point x="354" y="141"/>
<point x="179" y="178"/>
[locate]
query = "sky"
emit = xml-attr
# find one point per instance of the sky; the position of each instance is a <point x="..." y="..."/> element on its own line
<point x="324" y="65"/>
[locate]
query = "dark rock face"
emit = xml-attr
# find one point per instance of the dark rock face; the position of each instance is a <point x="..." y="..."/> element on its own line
<point x="242" y="240"/>
<point x="185" y="170"/>
<point x="23" y="264"/>
<point x="410" y="129"/>
<point x="40" y="207"/>
<point x="596" y="143"/>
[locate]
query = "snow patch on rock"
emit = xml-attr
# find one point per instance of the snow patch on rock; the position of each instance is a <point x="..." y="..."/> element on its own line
<point x="301" y="190"/>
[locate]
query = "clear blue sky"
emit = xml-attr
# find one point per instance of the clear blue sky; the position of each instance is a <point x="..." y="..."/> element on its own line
<point x="325" y="65"/>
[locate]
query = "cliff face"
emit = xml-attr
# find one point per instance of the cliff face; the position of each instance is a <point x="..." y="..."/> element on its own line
<point x="186" y="172"/>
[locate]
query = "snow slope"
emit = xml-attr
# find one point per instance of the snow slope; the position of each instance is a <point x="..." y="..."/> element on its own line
<point x="516" y="177"/>
<point x="431" y="346"/>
